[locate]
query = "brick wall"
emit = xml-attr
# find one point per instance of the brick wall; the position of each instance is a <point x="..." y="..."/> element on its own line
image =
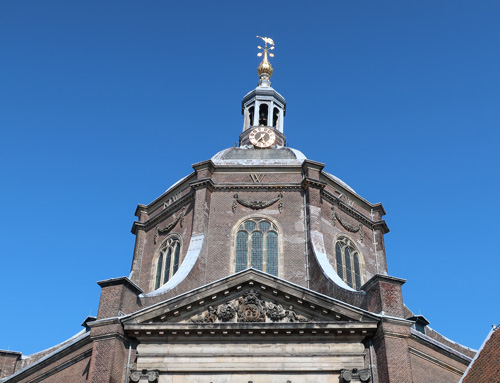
<point x="8" y="362"/>
<point x="486" y="367"/>
<point x="70" y="364"/>
<point x="118" y="296"/>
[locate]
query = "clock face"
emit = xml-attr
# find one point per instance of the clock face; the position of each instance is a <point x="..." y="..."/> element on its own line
<point x="262" y="137"/>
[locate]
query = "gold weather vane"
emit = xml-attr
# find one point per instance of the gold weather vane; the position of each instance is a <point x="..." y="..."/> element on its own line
<point x="265" y="69"/>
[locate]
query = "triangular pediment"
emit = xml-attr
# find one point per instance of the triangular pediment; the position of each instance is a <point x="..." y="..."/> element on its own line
<point x="249" y="297"/>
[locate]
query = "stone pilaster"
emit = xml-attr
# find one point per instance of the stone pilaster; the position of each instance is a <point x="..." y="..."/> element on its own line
<point x="203" y="187"/>
<point x="109" y="351"/>
<point x="312" y="187"/>
<point x="391" y="351"/>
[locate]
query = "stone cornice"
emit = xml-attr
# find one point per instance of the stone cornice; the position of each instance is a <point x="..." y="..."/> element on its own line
<point x="119" y="281"/>
<point x="310" y="164"/>
<point x="337" y="183"/>
<point x="338" y="330"/>
<point x="156" y="203"/>
<point x="105" y="322"/>
<point x="263" y="92"/>
<point x="203" y="183"/>
<point x="140" y="208"/>
<point x="268" y="168"/>
<point x="182" y="201"/>
<point x="208" y="164"/>
<point x="377" y="278"/>
<point x="260" y="186"/>
<point x="311" y="182"/>
<point x="354" y="213"/>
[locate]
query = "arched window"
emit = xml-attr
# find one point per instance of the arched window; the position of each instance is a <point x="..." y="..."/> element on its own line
<point x="348" y="262"/>
<point x="168" y="261"/>
<point x="257" y="246"/>
<point x="276" y="116"/>
<point x="251" y="112"/>
<point x="263" y="111"/>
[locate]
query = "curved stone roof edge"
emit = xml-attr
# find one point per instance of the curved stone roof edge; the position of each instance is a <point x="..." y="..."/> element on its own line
<point x="338" y="180"/>
<point x="318" y="248"/>
<point x="192" y="255"/>
<point x="217" y="159"/>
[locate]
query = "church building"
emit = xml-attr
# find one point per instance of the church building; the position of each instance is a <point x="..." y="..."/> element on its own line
<point x="259" y="267"/>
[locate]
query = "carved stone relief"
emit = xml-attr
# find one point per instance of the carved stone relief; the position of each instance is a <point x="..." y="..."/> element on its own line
<point x="346" y="225"/>
<point x="355" y="375"/>
<point x="249" y="308"/>
<point x="170" y="226"/>
<point x="257" y="204"/>
<point x="257" y="177"/>
<point x="171" y="200"/>
<point x="151" y="376"/>
<point x="349" y="201"/>
<point x="226" y="311"/>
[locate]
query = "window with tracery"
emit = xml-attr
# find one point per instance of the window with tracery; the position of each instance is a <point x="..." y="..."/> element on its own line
<point x="167" y="263"/>
<point x="348" y="262"/>
<point x="257" y="246"/>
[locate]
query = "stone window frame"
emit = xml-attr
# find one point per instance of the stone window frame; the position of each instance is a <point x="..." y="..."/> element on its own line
<point x="154" y="265"/>
<point x="234" y="232"/>
<point x="345" y="242"/>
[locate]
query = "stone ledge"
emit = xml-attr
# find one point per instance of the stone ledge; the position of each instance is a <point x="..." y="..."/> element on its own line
<point x="120" y="281"/>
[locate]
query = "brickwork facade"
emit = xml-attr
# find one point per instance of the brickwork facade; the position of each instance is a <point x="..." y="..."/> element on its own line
<point x="209" y="322"/>
<point x="486" y="367"/>
<point x="70" y="364"/>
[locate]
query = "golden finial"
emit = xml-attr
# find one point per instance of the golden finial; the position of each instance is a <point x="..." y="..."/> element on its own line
<point x="265" y="69"/>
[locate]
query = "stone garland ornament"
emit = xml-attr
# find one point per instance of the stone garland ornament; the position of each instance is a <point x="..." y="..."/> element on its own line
<point x="258" y="204"/>
<point x="347" y="226"/>
<point x="170" y="226"/>
<point x="249" y="308"/>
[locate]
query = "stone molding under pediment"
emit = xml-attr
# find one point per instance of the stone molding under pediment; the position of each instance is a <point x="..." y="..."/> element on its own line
<point x="185" y="332"/>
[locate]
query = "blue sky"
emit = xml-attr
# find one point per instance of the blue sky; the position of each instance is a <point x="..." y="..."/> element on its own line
<point x="105" y="104"/>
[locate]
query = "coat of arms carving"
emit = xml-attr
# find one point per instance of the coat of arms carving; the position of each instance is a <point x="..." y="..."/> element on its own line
<point x="249" y="308"/>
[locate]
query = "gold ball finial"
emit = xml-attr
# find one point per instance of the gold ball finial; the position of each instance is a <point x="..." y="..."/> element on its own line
<point x="265" y="69"/>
